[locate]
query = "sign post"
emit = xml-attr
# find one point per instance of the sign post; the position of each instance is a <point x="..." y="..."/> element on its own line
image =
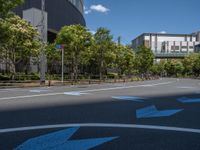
<point x="61" y="47"/>
<point x="62" y="65"/>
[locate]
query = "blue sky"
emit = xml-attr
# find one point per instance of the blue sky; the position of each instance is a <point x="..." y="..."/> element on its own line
<point x="130" y="18"/>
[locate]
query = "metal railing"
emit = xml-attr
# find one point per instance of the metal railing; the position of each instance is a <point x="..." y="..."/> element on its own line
<point x="170" y="55"/>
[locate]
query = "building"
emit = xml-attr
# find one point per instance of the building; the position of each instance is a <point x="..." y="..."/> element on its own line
<point x="197" y="48"/>
<point x="168" y="45"/>
<point x="59" y="13"/>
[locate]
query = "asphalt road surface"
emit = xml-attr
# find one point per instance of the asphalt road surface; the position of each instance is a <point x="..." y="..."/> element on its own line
<point x="151" y="115"/>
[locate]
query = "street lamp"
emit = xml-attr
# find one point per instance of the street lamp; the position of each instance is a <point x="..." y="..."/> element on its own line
<point x="43" y="38"/>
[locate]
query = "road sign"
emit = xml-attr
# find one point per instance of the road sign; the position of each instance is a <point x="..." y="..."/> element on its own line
<point x="60" y="46"/>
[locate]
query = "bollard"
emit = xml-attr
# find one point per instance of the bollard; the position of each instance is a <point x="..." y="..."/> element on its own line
<point x="49" y="83"/>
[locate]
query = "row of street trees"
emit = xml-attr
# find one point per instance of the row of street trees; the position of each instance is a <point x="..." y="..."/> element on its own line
<point x="187" y="67"/>
<point x="95" y="54"/>
<point x="85" y="53"/>
<point x="18" y="39"/>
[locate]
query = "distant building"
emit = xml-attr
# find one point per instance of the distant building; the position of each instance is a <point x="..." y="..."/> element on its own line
<point x="197" y="48"/>
<point x="168" y="45"/>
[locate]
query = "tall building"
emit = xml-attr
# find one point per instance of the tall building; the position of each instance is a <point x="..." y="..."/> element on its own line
<point x="168" y="45"/>
<point x="59" y="13"/>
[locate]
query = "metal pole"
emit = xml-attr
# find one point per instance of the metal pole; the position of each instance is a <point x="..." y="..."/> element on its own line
<point x="62" y="65"/>
<point x="43" y="38"/>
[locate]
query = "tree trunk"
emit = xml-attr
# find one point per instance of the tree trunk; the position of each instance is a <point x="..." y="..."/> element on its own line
<point x="101" y="66"/>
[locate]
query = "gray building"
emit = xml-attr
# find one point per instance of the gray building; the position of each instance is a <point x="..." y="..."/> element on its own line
<point x="197" y="48"/>
<point x="59" y="12"/>
<point x="168" y="45"/>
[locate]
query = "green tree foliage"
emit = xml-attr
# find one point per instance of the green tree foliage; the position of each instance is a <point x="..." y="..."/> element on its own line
<point x="103" y="50"/>
<point x="76" y="40"/>
<point x="21" y="41"/>
<point x="125" y="60"/>
<point x="144" y="59"/>
<point x="174" y="68"/>
<point x="196" y="65"/>
<point x="188" y="63"/>
<point x="53" y="58"/>
<point x="158" y="68"/>
<point x="8" y="5"/>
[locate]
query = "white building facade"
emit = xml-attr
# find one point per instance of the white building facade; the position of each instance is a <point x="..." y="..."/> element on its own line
<point x="166" y="44"/>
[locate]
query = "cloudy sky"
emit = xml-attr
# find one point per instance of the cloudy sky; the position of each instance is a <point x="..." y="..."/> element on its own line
<point x="130" y="18"/>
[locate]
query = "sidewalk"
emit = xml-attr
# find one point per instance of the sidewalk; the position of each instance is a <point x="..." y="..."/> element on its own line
<point x="25" y="84"/>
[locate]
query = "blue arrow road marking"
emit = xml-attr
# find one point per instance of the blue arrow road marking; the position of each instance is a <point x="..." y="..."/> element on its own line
<point x="60" y="141"/>
<point x="128" y="98"/>
<point x="38" y="91"/>
<point x="83" y="144"/>
<point x="189" y="100"/>
<point x="151" y="112"/>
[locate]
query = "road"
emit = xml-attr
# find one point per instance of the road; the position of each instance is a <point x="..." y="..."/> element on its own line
<point x="155" y="115"/>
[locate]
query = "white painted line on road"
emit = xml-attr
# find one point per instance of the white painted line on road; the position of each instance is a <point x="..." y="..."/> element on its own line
<point x="126" y="87"/>
<point x="30" y="96"/>
<point x="185" y="87"/>
<point x="11" y="90"/>
<point x="85" y="91"/>
<point x="76" y="93"/>
<point x="101" y="125"/>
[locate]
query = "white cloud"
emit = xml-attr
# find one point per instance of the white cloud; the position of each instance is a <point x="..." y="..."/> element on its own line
<point x="99" y="8"/>
<point x="163" y="32"/>
<point x="93" y="32"/>
<point x="87" y="11"/>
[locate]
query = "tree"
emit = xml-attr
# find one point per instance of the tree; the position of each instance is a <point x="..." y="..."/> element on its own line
<point x="76" y="39"/>
<point x="8" y="5"/>
<point x="158" y="68"/>
<point x="22" y="41"/>
<point x="53" y="58"/>
<point x="188" y="63"/>
<point x="103" y="50"/>
<point x="144" y="59"/>
<point x="196" y="66"/>
<point x="125" y="59"/>
<point x="174" y="68"/>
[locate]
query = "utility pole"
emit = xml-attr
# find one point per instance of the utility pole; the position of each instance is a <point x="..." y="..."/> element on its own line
<point x="43" y="38"/>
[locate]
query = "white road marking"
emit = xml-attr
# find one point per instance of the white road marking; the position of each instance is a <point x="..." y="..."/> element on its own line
<point x="101" y="125"/>
<point x="9" y="90"/>
<point x="126" y="87"/>
<point x="30" y="96"/>
<point x="185" y="87"/>
<point x="75" y="93"/>
<point x="85" y="91"/>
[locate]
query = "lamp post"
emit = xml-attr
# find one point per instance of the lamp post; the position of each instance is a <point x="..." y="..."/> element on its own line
<point x="43" y="38"/>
